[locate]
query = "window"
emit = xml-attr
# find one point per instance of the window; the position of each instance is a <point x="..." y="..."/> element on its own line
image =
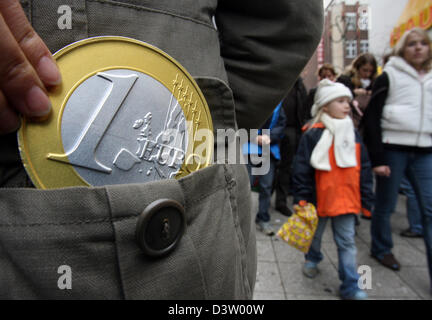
<point x="364" y="46"/>
<point x="351" y="21"/>
<point x="363" y="19"/>
<point x="351" y="48"/>
<point x="363" y="22"/>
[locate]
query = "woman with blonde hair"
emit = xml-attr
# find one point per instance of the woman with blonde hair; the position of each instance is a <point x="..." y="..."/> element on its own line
<point x="398" y="134"/>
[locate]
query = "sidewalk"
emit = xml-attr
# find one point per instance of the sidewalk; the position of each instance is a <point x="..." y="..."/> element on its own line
<point x="279" y="275"/>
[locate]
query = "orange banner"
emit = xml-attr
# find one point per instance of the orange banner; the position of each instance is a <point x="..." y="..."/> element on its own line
<point x="417" y="13"/>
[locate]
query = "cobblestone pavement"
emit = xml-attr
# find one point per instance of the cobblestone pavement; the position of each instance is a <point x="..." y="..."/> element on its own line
<point x="279" y="275"/>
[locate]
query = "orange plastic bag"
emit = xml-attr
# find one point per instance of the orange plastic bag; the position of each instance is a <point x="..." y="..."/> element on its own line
<point x="300" y="228"/>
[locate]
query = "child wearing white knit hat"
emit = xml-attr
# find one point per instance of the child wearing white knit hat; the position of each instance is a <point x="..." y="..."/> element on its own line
<point x="326" y="92"/>
<point x="331" y="107"/>
<point x="332" y="170"/>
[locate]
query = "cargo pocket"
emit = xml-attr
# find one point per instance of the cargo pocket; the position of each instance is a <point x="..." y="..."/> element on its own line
<point x="213" y="260"/>
<point x="176" y="274"/>
<point x="221" y="231"/>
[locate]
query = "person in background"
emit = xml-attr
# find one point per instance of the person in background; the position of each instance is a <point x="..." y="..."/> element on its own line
<point x="415" y="228"/>
<point x="296" y="116"/>
<point x="398" y="134"/>
<point x="359" y="78"/>
<point x="326" y="71"/>
<point x="276" y="125"/>
<point x="332" y="171"/>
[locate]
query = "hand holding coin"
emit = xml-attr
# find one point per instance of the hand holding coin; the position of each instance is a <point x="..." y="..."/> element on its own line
<point x="26" y="68"/>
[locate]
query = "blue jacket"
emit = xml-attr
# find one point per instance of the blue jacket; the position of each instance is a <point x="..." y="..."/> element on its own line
<point x="276" y="124"/>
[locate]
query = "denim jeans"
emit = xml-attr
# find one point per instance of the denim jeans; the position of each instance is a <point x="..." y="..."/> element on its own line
<point x="265" y="183"/>
<point x="412" y="207"/>
<point x="418" y="169"/>
<point x="343" y="233"/>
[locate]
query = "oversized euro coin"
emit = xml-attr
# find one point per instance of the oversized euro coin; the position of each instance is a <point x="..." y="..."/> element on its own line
<point x="126" y="112"/>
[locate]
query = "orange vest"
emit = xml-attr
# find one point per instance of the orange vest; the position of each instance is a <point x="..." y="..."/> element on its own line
<point x="338" y="190"/>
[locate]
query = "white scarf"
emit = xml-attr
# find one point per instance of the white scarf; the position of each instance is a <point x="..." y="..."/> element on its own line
<point x="342" y="130"/>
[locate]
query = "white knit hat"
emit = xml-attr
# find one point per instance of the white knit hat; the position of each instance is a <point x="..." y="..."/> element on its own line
<point x="328" y="91"/>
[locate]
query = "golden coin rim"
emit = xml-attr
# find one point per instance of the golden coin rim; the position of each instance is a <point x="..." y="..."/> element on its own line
<point x="67" y="175"/>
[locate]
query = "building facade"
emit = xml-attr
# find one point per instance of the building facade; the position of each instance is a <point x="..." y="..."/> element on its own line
<point x="348" y="34"/>
<point x="348" y="30"/>
<point x="345" y="36"/>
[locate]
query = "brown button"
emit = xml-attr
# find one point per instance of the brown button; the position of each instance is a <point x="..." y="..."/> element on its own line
<point x="160" y="227"/>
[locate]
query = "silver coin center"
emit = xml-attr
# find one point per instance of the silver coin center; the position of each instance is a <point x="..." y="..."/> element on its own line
<point x="123" y="126"/>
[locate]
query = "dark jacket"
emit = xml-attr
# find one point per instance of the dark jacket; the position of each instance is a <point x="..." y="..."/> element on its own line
<point x="294" y="105"/>
<point x="335" y="192"/>
<point x="310" y="102"/>
<point x="371" y="121"/>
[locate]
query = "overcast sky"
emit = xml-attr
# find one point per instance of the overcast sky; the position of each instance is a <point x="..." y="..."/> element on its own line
<point x="385" y="14"/>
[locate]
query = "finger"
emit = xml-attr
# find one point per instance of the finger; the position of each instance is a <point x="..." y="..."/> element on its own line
<point x="19" y="82"/>
<point x="9" y="120"/>
<point x="31" y="44"/>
